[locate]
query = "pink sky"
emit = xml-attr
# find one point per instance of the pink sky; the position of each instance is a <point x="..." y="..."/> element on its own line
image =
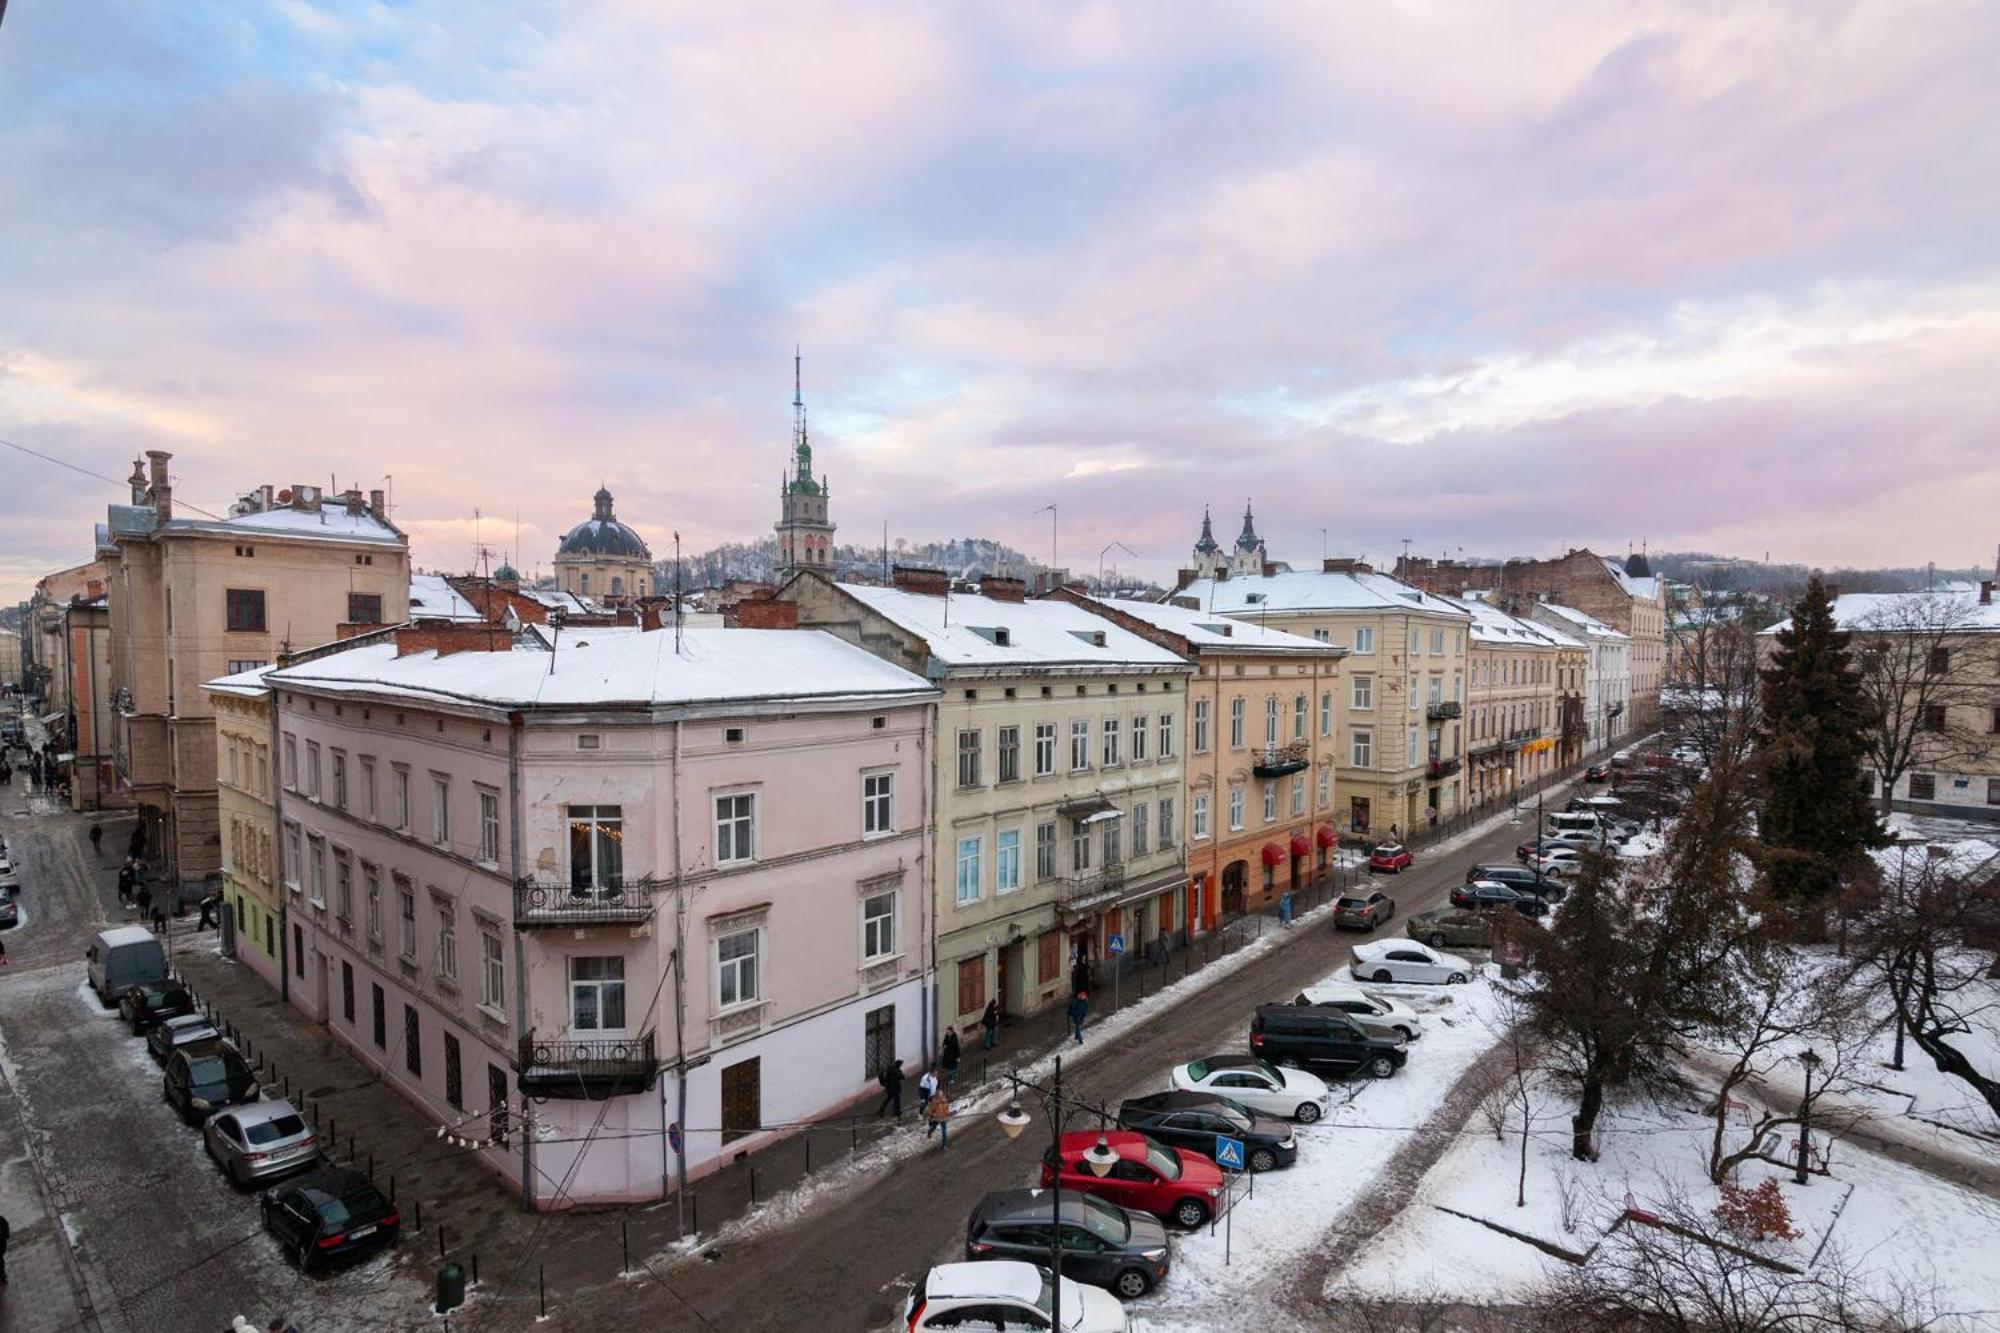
<point x="1503" y="277"/>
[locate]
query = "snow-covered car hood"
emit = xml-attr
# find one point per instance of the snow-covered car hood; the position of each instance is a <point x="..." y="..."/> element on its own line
<point x="1100" y="1311"/>
<point x="1298" y="1083"/>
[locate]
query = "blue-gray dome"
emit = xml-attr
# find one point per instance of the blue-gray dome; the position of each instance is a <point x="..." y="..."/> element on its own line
<point x="603" y="535"/>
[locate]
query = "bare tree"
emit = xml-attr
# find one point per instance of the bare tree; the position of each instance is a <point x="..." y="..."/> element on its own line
<point x="1932" y="709"/>
<point x="1715" y="694"/>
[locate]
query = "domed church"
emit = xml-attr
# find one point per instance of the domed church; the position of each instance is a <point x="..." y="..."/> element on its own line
<point x="604" y="560"/>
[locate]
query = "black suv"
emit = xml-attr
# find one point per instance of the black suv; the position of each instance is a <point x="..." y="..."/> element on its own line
<point x="199" y="1082"/>
<point x="1522" y="878"/>
<point x="1103" y="1244"/>
<point x="1193" y="1120"/>
<point x="1322" y="1040"/>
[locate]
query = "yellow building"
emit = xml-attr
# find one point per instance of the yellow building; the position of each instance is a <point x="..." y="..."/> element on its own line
<point x="1524" y="706"/>
<point x="248" y="816"/>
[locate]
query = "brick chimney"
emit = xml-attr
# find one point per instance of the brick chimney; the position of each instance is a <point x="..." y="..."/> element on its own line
<point x="1003" y="589"/>
<point x="377" y="507"/>
<point x="914" y="578"/>
<point x="446" y="637"/>
<point x="1986" y="592"/>
<point x="1342" y="564"/>
<point x="161" y="489"/>
<point x="767" y="613"/>
<point x="352" y="499"/>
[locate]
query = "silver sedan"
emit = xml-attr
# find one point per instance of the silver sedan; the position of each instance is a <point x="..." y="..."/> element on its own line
<point x="260" y="1140"/>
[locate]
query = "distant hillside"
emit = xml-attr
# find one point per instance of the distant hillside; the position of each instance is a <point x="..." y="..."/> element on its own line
<point x="962" y="557"/>
<point x="1729" y="574"/>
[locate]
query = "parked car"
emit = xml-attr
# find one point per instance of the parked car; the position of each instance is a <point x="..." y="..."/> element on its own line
<point x="1291" y="1094"/>
<point x="1487" y="895"/>
<point x="259" y="1140"/>
<point x="186" y="1030"/>
<point x="1398" y="960"/>
<point x="1597" y="773"/>
<point x="329" y="1214"/>
<point x="1007" y="1294"/>
<point x="1363" y="911"/>
<point x="1323" y="1039"/>
<point x="1377" y="1014"/>
<point x="200" y="1082"/>
<point x="1172" y="1184"/>
<point x="1120" y="1249"/>
<point x="150" y="1003"/>
<point x="1194" y="1120"/>
<point x="10" y="910"/>
<point x="1390" y="858"/>
<point x="1445" y="925"/>
<point x="1562" y="862"/>
<point x="1521" y="878"/>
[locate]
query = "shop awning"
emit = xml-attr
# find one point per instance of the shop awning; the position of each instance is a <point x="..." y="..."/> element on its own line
<point x="1327" y="837"/>
<point x="1273" y="855"/>
<point x="1301" y="846"/>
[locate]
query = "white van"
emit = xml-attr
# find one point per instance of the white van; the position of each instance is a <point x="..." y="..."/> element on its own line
<point x="124" y="956"/>
<point x="1574" y="821"/>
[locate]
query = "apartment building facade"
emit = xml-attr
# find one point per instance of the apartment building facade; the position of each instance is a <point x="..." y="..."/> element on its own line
<point x="1518" y="724"/>
<point x="610" y="887"/>
<point x="1607" y="678"/>
<point x="245" y="782"/>
<point x="1061" y="788"/>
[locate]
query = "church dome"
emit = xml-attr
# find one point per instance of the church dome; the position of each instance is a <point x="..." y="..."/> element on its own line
<point x="603" y="535"/>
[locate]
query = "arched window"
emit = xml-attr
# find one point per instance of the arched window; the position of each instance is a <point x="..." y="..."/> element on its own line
<point x="617" y="585"/>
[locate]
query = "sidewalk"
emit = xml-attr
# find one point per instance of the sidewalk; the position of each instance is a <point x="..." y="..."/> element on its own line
<point x="45" y="1291"/>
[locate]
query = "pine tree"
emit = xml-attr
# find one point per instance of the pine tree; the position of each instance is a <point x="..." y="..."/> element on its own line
<point x="1812" y="741"/>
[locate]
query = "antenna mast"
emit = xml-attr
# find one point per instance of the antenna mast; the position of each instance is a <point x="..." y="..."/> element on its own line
<point x="677" y="594"/>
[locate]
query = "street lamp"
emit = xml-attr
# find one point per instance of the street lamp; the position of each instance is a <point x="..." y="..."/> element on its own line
<point x="1810" y="1059"/>
<point x="1100" y="1159"/>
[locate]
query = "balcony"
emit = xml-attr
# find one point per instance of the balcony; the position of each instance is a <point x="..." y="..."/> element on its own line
<point x="586" y="1070"/>
<point x="620" y="902"/>
<point x="1444" y="711"/>
<point x="1104" y="884"/>
<point x="1440" y="768"/>
<point x="1275" y="761"/>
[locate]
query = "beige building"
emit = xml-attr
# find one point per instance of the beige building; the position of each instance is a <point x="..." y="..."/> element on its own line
<point x="45" y="655"/>
<point x="10" y="657"/>
<point x="1060" y="791"/>
<point x="1524" y="707"/>
<point x="197" y="598"/>
<point x="1399" y="717"/>
<point x="249" y="818"/>
<point x="602" y="560"/>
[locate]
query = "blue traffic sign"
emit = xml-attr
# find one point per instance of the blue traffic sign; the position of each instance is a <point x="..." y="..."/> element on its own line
<point x="1228" y="1152"/>
<point x="1114" y="944"/>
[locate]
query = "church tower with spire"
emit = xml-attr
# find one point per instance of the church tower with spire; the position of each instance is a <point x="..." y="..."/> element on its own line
<point x="1248" y="558"/>
<point x="1208" y="558"/>
<point x="805" y="534"/>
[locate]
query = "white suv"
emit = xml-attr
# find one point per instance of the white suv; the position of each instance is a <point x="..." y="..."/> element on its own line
<point x="1008" y="1294"/>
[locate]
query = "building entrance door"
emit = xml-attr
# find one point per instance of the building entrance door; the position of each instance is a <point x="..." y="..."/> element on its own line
<point x="742" y="1098"/>
<point x="1357" y="813"/>
<point x="1010" y="975"/>
<point x="879" y="1041"/>
<point x="1235" y="878"/>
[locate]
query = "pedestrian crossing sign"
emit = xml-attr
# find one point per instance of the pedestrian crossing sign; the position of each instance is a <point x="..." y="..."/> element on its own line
<point x="1228" y="1153"/>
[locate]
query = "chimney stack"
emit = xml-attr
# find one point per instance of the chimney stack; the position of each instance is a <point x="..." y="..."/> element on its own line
<point x="377" y="507"/>
<point x="352" y="499"/>
<point x="1986" y="592"/>
<point x="162" y="489"/>
<point x="447" y="637"/>
<point x="1003" y="589"/>
<point x="914" y="578"/>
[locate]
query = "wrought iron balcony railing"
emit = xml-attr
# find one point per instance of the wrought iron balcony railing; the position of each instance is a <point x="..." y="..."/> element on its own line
<point x="617" y="901"/>
<point x="1444" y="711"/>
<point x="595" y="1069"/>
<point x="1104" y="881"/>
<point x="1274" y="761"/>
<point x="1441" y="768"/>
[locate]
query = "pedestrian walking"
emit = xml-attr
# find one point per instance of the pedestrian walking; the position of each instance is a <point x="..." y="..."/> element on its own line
<point x="143" y="896"/>
<point x="96" y="837"/>
<point x="937" y="1116"/>
<point x="5" y="1231"/>
<point x="1079" y="1009"/>
<point x="125" y="882"/>
<point x="927" y="1086"/>
<point x="209" y="920"/>
<point x="891" y="1079"/>
<point x="1285" y="908"/>
<point x="160" y="917"/>
<point x="990" y="1023"/>
<point x="950" y="1056"/>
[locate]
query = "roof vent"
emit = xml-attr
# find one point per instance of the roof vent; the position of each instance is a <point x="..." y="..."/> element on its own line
<point x="1093" y="637"/>
<point x="997" y="635"/>
<point x="1254" y="598"/>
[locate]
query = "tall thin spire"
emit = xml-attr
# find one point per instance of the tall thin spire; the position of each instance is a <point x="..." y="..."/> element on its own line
<point x="798" y="400"/>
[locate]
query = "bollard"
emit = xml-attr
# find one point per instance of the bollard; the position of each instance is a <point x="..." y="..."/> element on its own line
<point x="753" y="1184"/>
<point x="542" y="1285"/>
<point x="419" y="1205"/>
<point x="440" y="1242"/>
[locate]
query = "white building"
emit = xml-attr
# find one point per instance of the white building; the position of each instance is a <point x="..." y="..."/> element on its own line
<point x="1608" y="682"/>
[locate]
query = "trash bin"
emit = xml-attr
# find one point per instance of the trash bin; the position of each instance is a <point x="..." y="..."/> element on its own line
<point x="450" y="1288"/>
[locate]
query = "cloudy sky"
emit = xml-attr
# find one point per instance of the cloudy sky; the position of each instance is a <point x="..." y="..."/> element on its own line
<point x="1492" y="276"/>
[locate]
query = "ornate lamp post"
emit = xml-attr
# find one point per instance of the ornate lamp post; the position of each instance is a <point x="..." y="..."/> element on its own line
<point x="1100" y="1159"/>
<point x="1811" y="1062"/>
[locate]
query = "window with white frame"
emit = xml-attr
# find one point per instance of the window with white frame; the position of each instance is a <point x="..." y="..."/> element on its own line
<point x="440" y="810"/>
<point x="293" y="861"/>
<point x="312" y="770"/>
<point x="878" y="926"/>
<point x="1236" y="809"/>
<point x="316" y="870"/>
<point x="1166" y="735"/>
<point x="1270" y="719"/>
<point x="1361" y="753"/>
<point x="1364" y="639"/>
<point x="371" y="896"/>
<point x="735" y="828"/>
<point x="1201" y="726"/>
<point x="1298" y="717"/>
<point x="1045" y="748"/>
<point x="406" y="918"/>
<point x="399" y="799"/>
<point x="1437" y="643"/>
<point x="1236" y="723"/>
<point x="489" y="827"/>
<point x="492" y="971"/>
<point x="1198" y="816"/>
<point x="339" y="779"/>
<point x="1416" y="746"/>
<point x="967" y="881"/>
<point x="1325" y="787"/>
<point x="1007" y="754"/>
<point x="737" y="976"/>
<point x="596" y="847"/>
<point x="1140" y="822"/>
<point x="1139" y="737"/>
<point x="1045" y="851"/>
<point x="1326" y="713"/>
<point x="968" y="757"/>
<point x="1007" y="861"/>
<point x="1110" y="742"/>
<point x="447" y="959"/>
<point x="1270" y="802"/>
<point x="367" y="801"/>
<point x="878" y="804"/>
<point x="1079" y="743"/>
<point x="1079" y="849"/>
<point x="343" y="887"/>
<point x="1166" y="829"/>
<point x="1437" y="688"/>
<point x="1112" y="851"/>
<point x="596" y="994"/>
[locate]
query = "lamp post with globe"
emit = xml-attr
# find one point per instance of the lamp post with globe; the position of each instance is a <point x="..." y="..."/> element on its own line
<point x="1100" y="1159"/>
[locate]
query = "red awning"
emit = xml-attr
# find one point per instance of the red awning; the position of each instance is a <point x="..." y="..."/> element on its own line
<point x="1274" y="855"/>
<point x="1301" y="846"/>
<point x="1327" y="837"/>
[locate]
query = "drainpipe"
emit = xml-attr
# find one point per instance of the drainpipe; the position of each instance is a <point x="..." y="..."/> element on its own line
<point x="520" y="948"/>
<point x="928" y="1016"/>
<point x="277" y="778"/>
<point x="680" y="986"/>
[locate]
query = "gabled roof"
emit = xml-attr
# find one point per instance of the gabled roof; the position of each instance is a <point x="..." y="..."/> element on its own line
<point x="1494" y="628"/>
<point x="432" y="598"/>
<point x="1203" y="630"/>
<point x="1315" y="590"/>
<point x="1855" y="610"/>
<point x="1646" y="589"/>
<point x="973" y="631"/>
<point x="1583" y="621"/>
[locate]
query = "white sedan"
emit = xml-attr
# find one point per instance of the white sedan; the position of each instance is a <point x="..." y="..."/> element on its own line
<point x="1561" y="861"/>
<point x="1407" y="960"/>
<point x="1257" y="1084"/>
<point x="1377" y="1014"/>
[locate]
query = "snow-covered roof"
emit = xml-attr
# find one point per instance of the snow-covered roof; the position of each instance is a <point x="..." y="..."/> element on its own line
<point x="1009" y="1278"/>
<point x="556" y="599"/>
<point x="1203" y="630"/>
<point x="1582" y="620"/>
<point x="975" y="631"/>
<point x="1871" y="610"/>
<point x="1494" y="628"/>
<point x="1646" y="589"/>
<point x="244" y="684"/>
<point x="331" y="520"/>
<point x="606" y="666"/>
<point x="1314" y="590"/>
<point x="432" y="598"/>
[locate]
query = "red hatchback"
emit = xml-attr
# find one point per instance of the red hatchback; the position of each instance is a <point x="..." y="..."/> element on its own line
<point x="1149" y="1177"/>
<point x="1389" y="856"/>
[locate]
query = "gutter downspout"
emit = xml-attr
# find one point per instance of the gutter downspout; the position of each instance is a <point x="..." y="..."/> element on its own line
<point x="520" y="950"/>
<point x="680" y="987"/>
<point x="928" y="1017"/>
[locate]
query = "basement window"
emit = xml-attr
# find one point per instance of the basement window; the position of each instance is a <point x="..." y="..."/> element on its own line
<point x="589" y="741"/>
<point x="246" y="551"/>
<point x="733" y="735"/>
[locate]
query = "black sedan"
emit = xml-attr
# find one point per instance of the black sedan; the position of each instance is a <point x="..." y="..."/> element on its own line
<point x="199" y="1082"/>
<point x="1194" y="1120"/>
<point x="150" y="1003"/>
<point x="327" y="1215"/>
<point x="1488" y="895"/>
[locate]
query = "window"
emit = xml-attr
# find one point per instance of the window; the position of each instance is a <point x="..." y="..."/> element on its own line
<point x="1270" y="719"/>
<point x="1110" y="742"/>
<point x="1079" y="744"/>
<point x="1007" y="742"/>
<point x="1996" y="721"/>
<point x="1298" y="717"/>
<point x="1437" y="689"/>
<point x="735" y="828"/>
<point x="364" y="608"/>
<point x="1236" y="723"/>
<point x="1166" y="829"/>
<point x="1007" y="861"/>
<point x="347" y="990"/>
<point x="1364" y="639"/>
<point x="1933" y="717"/>
<point x="454" y="1077"/>
<point x="367" y="784"/>
<point x="1048" y="955"/>
<point x="447" y="959"/>
<point x="440" y="810"/>
<point x="1414" y="743"/>
<point x="497" y="1119"/>
<point x="878" y="926"/>
<point x="381" y="1016"/>
<point x="1413" y="693"/>
<point x="596" y="994"/>
<point x="246" y="610"/>
<point x="1298" y="793"/>
<point x="343" y="889"/>
<point x="1325" y="792"/>
<point x="399" y="799"/>
<point x="1235" y="809"/>
<point x="1045" y="851"/>
<point x="1079" y="849"/>
<point x="413" y="1041"/>
<point x="1045" y="748"/>
<point x="316" y="871"/>
<point x="1939" y="660"/>
<point x="1364" y="692"/>
<point x="878" y="803"/>
<point x="1201" y="726"/>
<point x="968" y="758"/>
<point x="1362" y="754"/>
<point x="1326" y="713"/>
<point x="596" y="847"/>
<point x="371" y="906"/>
<point x="238" y="665"/>
<point x="489" y="827"/>
<point x="1166" y="735"/>
<point x="1198" y="819"/>
<point x="968" y="870"/>
<point x="736" y="968"/>
<point x="292" y="860"/>
<point x="1993" y="791"/>
<point x="1139" y="829"/>
<point x="312" y="771"/>
<point x="406" y="918"/>
<point x="1270" y="802"/>
<point x="1437" y="643"/>
<point x="1923" y="787"/>
<point x="492" y="971"/>
<point x="339" y="780"/>
<point x="1111" y="841"/>
<point x="1139" y="738"/>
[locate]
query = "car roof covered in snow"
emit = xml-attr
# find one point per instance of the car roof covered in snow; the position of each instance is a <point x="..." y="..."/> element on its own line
<point x="992" y="1277"/>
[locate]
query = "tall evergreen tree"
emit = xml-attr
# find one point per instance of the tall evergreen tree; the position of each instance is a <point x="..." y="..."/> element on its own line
<point x="1812" y="741"/>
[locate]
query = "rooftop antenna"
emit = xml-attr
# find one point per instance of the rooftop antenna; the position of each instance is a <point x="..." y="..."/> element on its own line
<point x="1406" y="553"/>
<point x="677" y="594"/>
<point x="798" y="400"/>
<point x="1051" y="511"/>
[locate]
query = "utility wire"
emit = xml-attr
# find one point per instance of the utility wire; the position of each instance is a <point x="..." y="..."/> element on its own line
<point x="97" y="476"/>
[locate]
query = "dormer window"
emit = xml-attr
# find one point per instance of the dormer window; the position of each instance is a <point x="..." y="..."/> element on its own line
<point x="1093" y="637"/>
<point x="997" y="635"/>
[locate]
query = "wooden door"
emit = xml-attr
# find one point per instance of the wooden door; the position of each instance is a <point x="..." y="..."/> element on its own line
<point x="742" y="1098"/>
<point x="879" y="1041"/>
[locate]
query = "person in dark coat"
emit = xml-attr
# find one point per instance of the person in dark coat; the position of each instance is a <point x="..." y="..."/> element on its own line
<point x="891" y="1079"/>
<point x="990" y="1023"/>
<point x="1079" y="1009"/>
<point x="5" y="1231"/>
<point x="209" y="906"/>
<point x="136" y="847"/>
<point x="1079" y="975"/>
<point x="126" y="879"/>
<point x="949" y="1055"/>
